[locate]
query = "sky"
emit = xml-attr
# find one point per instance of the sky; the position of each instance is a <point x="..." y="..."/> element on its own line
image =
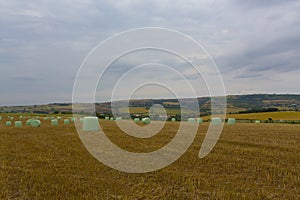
<point x="255" y="44"/>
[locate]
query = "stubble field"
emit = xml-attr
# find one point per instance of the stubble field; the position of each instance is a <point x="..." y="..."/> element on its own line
<point x="250" y="161"/>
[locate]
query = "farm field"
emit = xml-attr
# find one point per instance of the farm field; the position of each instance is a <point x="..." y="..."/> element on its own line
<point x="250" y="161"/>
<point x="289" y="115"/>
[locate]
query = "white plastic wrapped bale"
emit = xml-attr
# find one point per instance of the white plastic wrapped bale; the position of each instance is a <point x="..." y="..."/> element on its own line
<point x="66" y="121"/>
<point x="111" y="119"/>
<point x="173" y="119"/>
<point x="146" y="120"/>
<point x="8" y="123"/>
<point x="36" y="123"/>
<point x="191" y="120"/>
<point x="73" y="119"/>
<point x="136" y="119"/>
<point x="90" y="124"/>
<point x="54" y="122"/>
<point x="0" y="117"/>
<point x="216" y="121"/>
<point x="28" y="122"/>
<point x="231" y="121"/>
<point x="18" y="123"/>
<point x="257" y="121"/>
<point x="106" y="118"/>
<point x="199" y="120"/>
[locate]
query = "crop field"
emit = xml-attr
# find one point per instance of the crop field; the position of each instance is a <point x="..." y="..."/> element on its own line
<point x="290" y="115"/>
<point x="250" y="161"/>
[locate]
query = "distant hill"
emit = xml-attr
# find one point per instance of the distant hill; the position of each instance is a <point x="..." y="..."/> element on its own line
<point x="235" y="104"/>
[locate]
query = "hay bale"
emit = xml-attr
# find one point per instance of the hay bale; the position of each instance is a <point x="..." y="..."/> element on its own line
<point x="90" y="124"/>
<point x="136" y="120"/>
<point x="8" y="123"/>
<point x="36" y="123"/>
<point x="18" y="123"/>
<point x="146" y="120"/>
<point x="199" y="120"/>
<point x="106" y="118"/>
<point x="73" y="119"/>
<point x="20" y="117"/>
<point x="216" y="121"/>
<point x="112" y="119"/>
<point x="118" y="118"/>
<point x="11" y="118"/>
<point x="231" y="121"/>
<point x="191" y="120"/>
<point x="28" y="122"/>
<point x="66" y="121"/>
<point x="0" y="117"/>
<point x="54" y="122"/>
<point x="173" y="119"/>
<point x="257" y="122"/>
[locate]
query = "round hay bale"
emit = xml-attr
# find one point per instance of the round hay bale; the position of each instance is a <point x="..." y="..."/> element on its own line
<point x="191" y="120"/>
<point x="18" y="123"/>
<point x="0" y="117"/>
<point x="257" y="122"/>
<point x="136" y="119"/>
<point x="8" y="123"/>
<point x="173" y="119"/>
<point x="106" y="118"/>
<point x="111" y="119"/>
<point x="28" y="122"/>
<point x="54" y="122"/>
<point x="90" y="124"/>
<point x="73" y="119"/>
<point x="66" y="121"/>
<point x="146" y="120"/>
<point x="36" y="123"/>
<point x="216" y="121"/>
<point x="199" y="120"/>
<point x="231" y="121"/>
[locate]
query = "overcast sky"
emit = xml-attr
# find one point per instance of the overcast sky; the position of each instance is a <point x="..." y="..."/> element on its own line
<point x="254" y="43"/>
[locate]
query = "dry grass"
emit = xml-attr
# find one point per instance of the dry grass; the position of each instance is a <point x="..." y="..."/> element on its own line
<point x="250" y="161"/>
<point x="290" y="115"/>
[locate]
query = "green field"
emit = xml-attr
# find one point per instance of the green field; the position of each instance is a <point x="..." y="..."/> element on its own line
<point x="250" y="161"/>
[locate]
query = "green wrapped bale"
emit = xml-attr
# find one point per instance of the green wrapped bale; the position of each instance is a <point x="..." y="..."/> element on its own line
<point x="90" y="124"/>
<point x="36" y="123"/>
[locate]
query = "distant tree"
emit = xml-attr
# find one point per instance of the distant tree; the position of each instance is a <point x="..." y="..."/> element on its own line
<point x="270" y="119"/>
